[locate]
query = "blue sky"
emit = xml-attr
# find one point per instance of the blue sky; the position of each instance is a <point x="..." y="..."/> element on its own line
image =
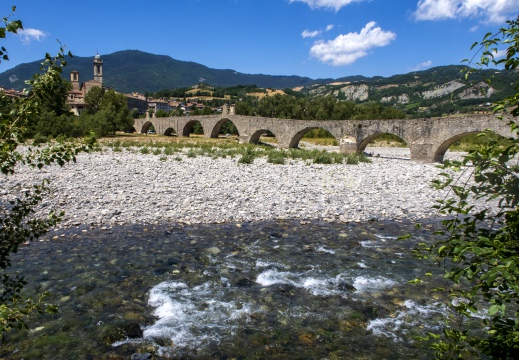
<point x="314" y="38"/>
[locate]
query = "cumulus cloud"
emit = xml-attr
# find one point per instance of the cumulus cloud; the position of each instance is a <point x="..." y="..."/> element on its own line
<point x="29" y="35"/>
<point x="348" y="48"/>
<point x="421" y="66"/>
<point x="330" y="27"/>
<point x="491" y="11"/>
<point x="327" y="4"/>
<point x="310" y="34"/>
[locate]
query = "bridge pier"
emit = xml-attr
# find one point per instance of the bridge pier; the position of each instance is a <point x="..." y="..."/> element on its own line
<point x="424" y="153"/>
<point x="348" y="146"/>
<point x="244" y="139"/>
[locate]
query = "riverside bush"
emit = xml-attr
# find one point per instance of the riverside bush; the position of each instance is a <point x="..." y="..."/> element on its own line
<point x="323" y="157"/>
<point x="276" y="157"/>
<point x="18" y="220"/>
<point x="479" y="248"/>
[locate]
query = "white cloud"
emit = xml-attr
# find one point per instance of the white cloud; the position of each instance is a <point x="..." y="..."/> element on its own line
<point x="491" y="11"/>
<point x="421" y="66"/>
<point x="499" y="54"/>
<point x="310" y="34"/>
<point x="346" y="49"/>
<point x="28" y="35"/>
<point x="327" y="4"/>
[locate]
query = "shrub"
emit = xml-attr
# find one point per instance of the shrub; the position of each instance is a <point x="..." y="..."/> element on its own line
<point x="39" y="139"/>
<point x="276" y="157"/>
<point x="323" y="157"/>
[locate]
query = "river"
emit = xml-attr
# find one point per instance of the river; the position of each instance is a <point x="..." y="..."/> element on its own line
<point x="271" y="289"/>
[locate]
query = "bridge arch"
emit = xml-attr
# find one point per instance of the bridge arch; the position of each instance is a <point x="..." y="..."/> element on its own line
<point x="170" y="132"/>
<point x="294" y="141"/>
<point x="442" y="149"/>
<point x="365" y="142"/>
<point x="146" y="126"/>
<point x="255" y="137"/>
<point x="189" y="126"/>
<point x="218" y="127"/>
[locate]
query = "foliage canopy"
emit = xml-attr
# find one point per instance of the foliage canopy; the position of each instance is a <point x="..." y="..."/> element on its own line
<point x="479" y="247"/>
<point x="18" y="221"/>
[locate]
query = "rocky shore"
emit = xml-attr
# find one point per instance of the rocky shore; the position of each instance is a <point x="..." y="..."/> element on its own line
<point x="115" y="188"/>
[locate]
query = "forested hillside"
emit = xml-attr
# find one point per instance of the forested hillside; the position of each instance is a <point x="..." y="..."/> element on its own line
<point x="433" y="92"/>
<point x="132" y="70"/>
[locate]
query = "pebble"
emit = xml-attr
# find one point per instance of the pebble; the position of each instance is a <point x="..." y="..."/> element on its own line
<point x="108" y="188"/>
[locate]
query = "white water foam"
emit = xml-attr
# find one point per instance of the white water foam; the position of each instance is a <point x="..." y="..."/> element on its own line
<point x="384" y="237"/>
<point x="412" y="316"/>
<point x="323" y="249"/>
<point x="320" y="286"/>
<point x="266" y="264"/>
<point x="192" y="317"/>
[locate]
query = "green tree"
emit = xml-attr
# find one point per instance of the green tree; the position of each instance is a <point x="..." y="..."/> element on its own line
<point x="161" y="113"/>
<point x="479" y="249"/>
<point x="107" y="112"/>
<point x="54" y="117"/>
<point x="207" y="110"/>
<point x="135" y="113"/>
<point x="93" y="99"/>
<point x="18" y="222"/>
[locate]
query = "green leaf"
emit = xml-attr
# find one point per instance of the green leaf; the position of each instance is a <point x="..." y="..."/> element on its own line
<point x="415" y="281"/>
<point x="494" y="309"/>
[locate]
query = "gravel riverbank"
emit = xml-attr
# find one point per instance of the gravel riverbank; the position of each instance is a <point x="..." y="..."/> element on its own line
<point x="114" y="188"/>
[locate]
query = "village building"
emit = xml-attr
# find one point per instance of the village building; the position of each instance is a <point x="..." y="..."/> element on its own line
<point x="137" y="101"/>
<point x="12" y="93"/>
<point x="158" y="104"/>
<point x="76" y="96"/>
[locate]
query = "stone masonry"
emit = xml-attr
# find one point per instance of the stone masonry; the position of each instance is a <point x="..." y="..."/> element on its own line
<point x="428" y="139"/>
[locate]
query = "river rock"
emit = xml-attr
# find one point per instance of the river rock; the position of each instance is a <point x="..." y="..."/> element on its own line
<point x="133" y="330"/>
<point x="146" y="356"/>
<point x="127" y="187"/>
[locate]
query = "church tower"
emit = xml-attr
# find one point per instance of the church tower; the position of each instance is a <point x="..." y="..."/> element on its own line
<point x="74" y="79"/>
<point x="98" y="69"/>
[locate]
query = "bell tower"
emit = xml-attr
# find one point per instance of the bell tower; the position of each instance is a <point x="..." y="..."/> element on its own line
<point x="74" y="79"/>
<point x="98" y="69"/>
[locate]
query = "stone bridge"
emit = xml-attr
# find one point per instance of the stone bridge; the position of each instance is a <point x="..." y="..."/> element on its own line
<point x="428" y="139"/>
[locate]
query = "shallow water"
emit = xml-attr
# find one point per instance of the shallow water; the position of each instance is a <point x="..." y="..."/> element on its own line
<point x="251" y="291"/>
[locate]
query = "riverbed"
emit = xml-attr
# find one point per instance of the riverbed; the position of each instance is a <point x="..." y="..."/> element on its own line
<point x="205" y="258"/>
<point x="110" y="188"/>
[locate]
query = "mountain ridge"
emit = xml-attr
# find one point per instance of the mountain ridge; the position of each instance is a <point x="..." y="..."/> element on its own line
<point x="137" y="71"/>
<point x="441" y="89"/>
<point x="134" y="70"/>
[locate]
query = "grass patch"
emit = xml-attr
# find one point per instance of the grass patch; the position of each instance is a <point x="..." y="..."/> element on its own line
<point x="277" y="157"/>
<point x="222" y="148"/>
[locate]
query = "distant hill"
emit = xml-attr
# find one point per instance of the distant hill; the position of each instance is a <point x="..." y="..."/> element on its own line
<point x="434" y="91"/>
<point x="133" y="70"/>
